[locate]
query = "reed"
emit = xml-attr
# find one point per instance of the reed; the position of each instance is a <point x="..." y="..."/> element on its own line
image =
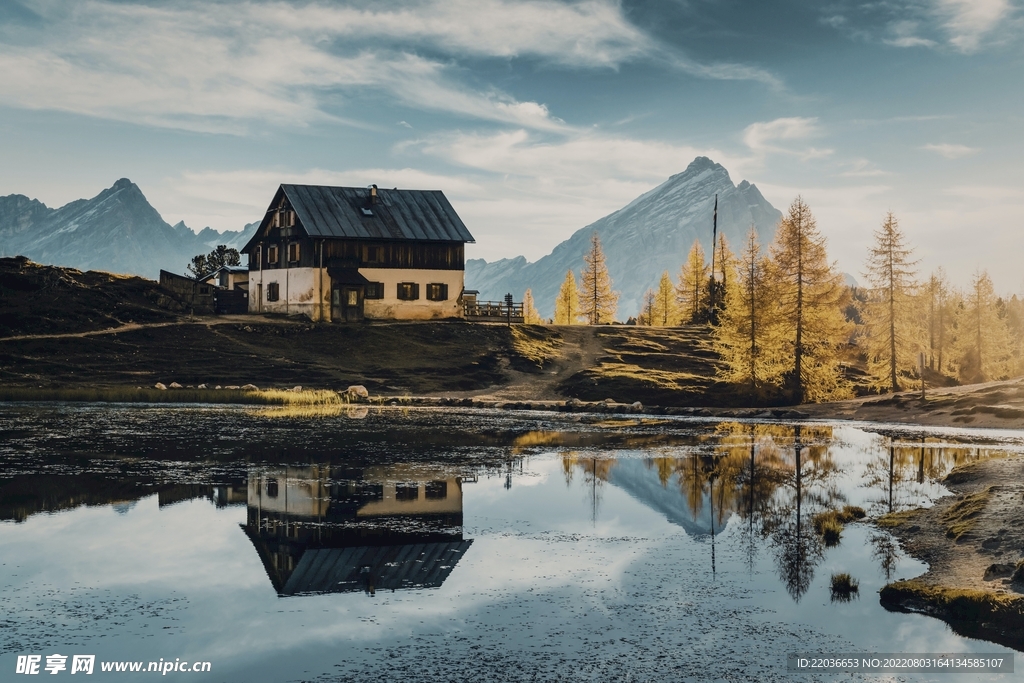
<point x="148" y="395"/>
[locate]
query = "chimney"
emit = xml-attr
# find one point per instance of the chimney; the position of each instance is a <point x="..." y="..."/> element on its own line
<point x="373" y="194"/>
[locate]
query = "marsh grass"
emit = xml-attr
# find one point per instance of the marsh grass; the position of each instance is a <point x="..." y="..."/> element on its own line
<point x="844" y="587"/>
<point x="309" y="397"/>
<point x="962" y="515"/>
<point x="830" y="524"/>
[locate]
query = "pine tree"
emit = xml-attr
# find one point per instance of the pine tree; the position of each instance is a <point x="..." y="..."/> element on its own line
<point x="567" y="303"/>
<point x="598" y="302"/>
<point x="691" y="291"/>
<point x="648" y="309"/>
<point x="530" y="314"/>
<point x="721" y="281"/>
<point x="811" y="297"/>
<point x="665" y="310"/>
<point x="749" y="338"/>
<point x="891" y="341"/>
<point x="984" y="340"/>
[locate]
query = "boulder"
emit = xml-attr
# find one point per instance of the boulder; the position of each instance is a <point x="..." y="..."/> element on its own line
<point x="218" y="387"/>
<point x="232" y="386"/>
<point x="174" y="385"/>
<point x="296" y="389"/>
<point x="357" y="392"/>
<point x="161" y="386"/>
<point x="201" y="386"/>
<point x="250" y="387"/>
<point x="637" y="406"/>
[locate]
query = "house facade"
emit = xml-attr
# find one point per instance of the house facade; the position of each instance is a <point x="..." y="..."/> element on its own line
<point x="345" y="254"/>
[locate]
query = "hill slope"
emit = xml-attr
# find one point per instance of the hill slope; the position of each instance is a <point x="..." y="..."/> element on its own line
<point x="652" y="234"/>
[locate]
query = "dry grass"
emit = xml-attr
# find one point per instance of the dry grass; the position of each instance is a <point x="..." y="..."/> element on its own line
<point x="895" y="519"/>
<point x="146" y="395"/>
<point x="830" y="524"/>
<point x="961" y="517"/>
<point x="536" y="344"/>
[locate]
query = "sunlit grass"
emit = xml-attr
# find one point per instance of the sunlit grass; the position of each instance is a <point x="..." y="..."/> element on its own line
<point x="844" y="587"/>
<point x="962" y="515"/>
<point x="308" y="397"/>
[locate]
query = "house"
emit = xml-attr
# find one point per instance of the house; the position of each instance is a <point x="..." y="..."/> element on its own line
<point x="229" y="278"/>
<point x="197" y="295"/>
<point x="346" y="253"/>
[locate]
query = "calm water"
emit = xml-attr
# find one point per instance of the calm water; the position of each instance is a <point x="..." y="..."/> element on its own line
<point x="444" y="545"/>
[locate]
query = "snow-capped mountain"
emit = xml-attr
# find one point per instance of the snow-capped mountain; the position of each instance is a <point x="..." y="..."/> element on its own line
<point x="650" y="235"/>
<point x="117" y="231"/>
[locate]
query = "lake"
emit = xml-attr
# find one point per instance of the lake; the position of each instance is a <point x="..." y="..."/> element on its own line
<point x="391" y="544"/>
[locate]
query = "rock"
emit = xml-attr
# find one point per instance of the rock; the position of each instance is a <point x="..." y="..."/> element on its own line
<point x="233" y="386"/>
<point x="161" y="386"/>
<point x="357" y="392"/>
<point x="296" y="389"/>
<point x="573" y="403"/>
<point x="174" y="385"/>
<point x="218" y="387"/>
<point x="637" y="406"/>
<point x="250" y="387"/>
<point x="998" y="571"/>
<point x="201" y="386"/>
<point x="609" y="400"/>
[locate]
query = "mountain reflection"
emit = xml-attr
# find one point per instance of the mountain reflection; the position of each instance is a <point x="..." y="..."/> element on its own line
<point x="323" y="529"/>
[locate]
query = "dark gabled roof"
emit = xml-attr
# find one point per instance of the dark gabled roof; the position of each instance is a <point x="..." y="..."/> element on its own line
<point x="324" y="211"/>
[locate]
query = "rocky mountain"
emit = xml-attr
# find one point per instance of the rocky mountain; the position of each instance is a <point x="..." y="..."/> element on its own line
<point x="650" y="235"/>
<point x="116" y="231"/>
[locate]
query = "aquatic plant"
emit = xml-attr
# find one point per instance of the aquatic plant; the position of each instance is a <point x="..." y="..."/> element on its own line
<point x="844" y="587"/>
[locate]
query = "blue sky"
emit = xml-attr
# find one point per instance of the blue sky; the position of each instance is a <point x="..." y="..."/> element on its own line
<point x="535" y="118"/>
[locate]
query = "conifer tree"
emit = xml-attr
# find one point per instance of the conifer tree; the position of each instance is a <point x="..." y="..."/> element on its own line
<point x="598" y="302"/>
<point x="749" y="338"/>
<point x="720" y="281"/>
<point x="691" y="289"/>
<point x="891" y="341"/>
<point x="937" y="319"/>
<point x="567" y="303"/>
<point x="530" y="314"/>
<point x="810" y="296"/>
<point x="648" y="309"/>
<point x="984" y="341"/>
<point x="664" y="309"/>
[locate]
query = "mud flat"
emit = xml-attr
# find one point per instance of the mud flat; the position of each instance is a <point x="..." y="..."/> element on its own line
<point x="973" y="542"/>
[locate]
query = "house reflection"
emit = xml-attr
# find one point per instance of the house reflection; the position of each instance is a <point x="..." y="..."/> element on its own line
<point x="323" y="529"/>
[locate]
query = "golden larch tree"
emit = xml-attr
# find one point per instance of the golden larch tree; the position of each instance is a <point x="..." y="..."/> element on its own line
<point x="665" y="309"/>
<point x="530" y="314"/>
<point x="891" y="342"/>
<point x="749" y="337"/>
<point x="937" y="319"/>
<point x="811" y="296"/>
<point x="598" y="302"/>
<point x="691" y="289"/>
<point x="567" y="303"/>
<point x="983" y="340"/>
<point x="647" y="313"/>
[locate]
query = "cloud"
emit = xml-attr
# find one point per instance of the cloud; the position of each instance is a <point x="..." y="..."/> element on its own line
<point x="950" y="151"/>
<point x="779" y="134"/>
<point x="968" y="22"/>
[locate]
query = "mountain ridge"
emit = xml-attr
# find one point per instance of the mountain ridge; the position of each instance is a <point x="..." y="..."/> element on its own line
<point x="118" y="230"/>
<point x="651" y="234"/>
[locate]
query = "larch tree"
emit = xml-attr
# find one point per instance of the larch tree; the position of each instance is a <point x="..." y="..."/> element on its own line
<point x="891" y="341"/>
<point x="748" y="337"/>
<point x="567" y="303"/>
<point x="530" y="314"/>
<point x="720" y="281"/>
<point x="810" y="297"/>
<point x="647" y="313"/>
<point x="598" y="302"/>
<point x="984" y="341"/>
<point x="937" y="318"/>
<point x="691" y="289"/>
<point x="665" y="309"/>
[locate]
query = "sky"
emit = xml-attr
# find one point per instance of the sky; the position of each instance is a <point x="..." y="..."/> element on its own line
<point x="534" y="117"/>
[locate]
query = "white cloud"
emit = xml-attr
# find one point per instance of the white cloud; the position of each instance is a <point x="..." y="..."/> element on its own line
<point x="950" y="151"/>
<point x="968" y="22"/>
<point x="779" y="135"/>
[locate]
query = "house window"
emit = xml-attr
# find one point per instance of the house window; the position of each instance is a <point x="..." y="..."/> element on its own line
<point x="256" y="258"/>
<point x="408" y="291"/>
<point x="352" y="297"/>
<point x="204" y="290"/>
<point x="437" y="291"/>
<point x="375" y="254"/>
<point x="272" y="487"/>
<point x="374" y="290"/>
<point x="293" y="252"/>
<point x="436" y="490"/>
<point x="272" y="254"/>
<point x="407" y="491"/>
<point x="273" y="291"/>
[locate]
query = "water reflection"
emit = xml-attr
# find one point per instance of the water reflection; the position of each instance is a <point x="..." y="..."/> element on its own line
<point x="324" y="529"/>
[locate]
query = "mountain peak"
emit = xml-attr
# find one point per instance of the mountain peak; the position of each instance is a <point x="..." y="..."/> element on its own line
<point x="122" y="184"/>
